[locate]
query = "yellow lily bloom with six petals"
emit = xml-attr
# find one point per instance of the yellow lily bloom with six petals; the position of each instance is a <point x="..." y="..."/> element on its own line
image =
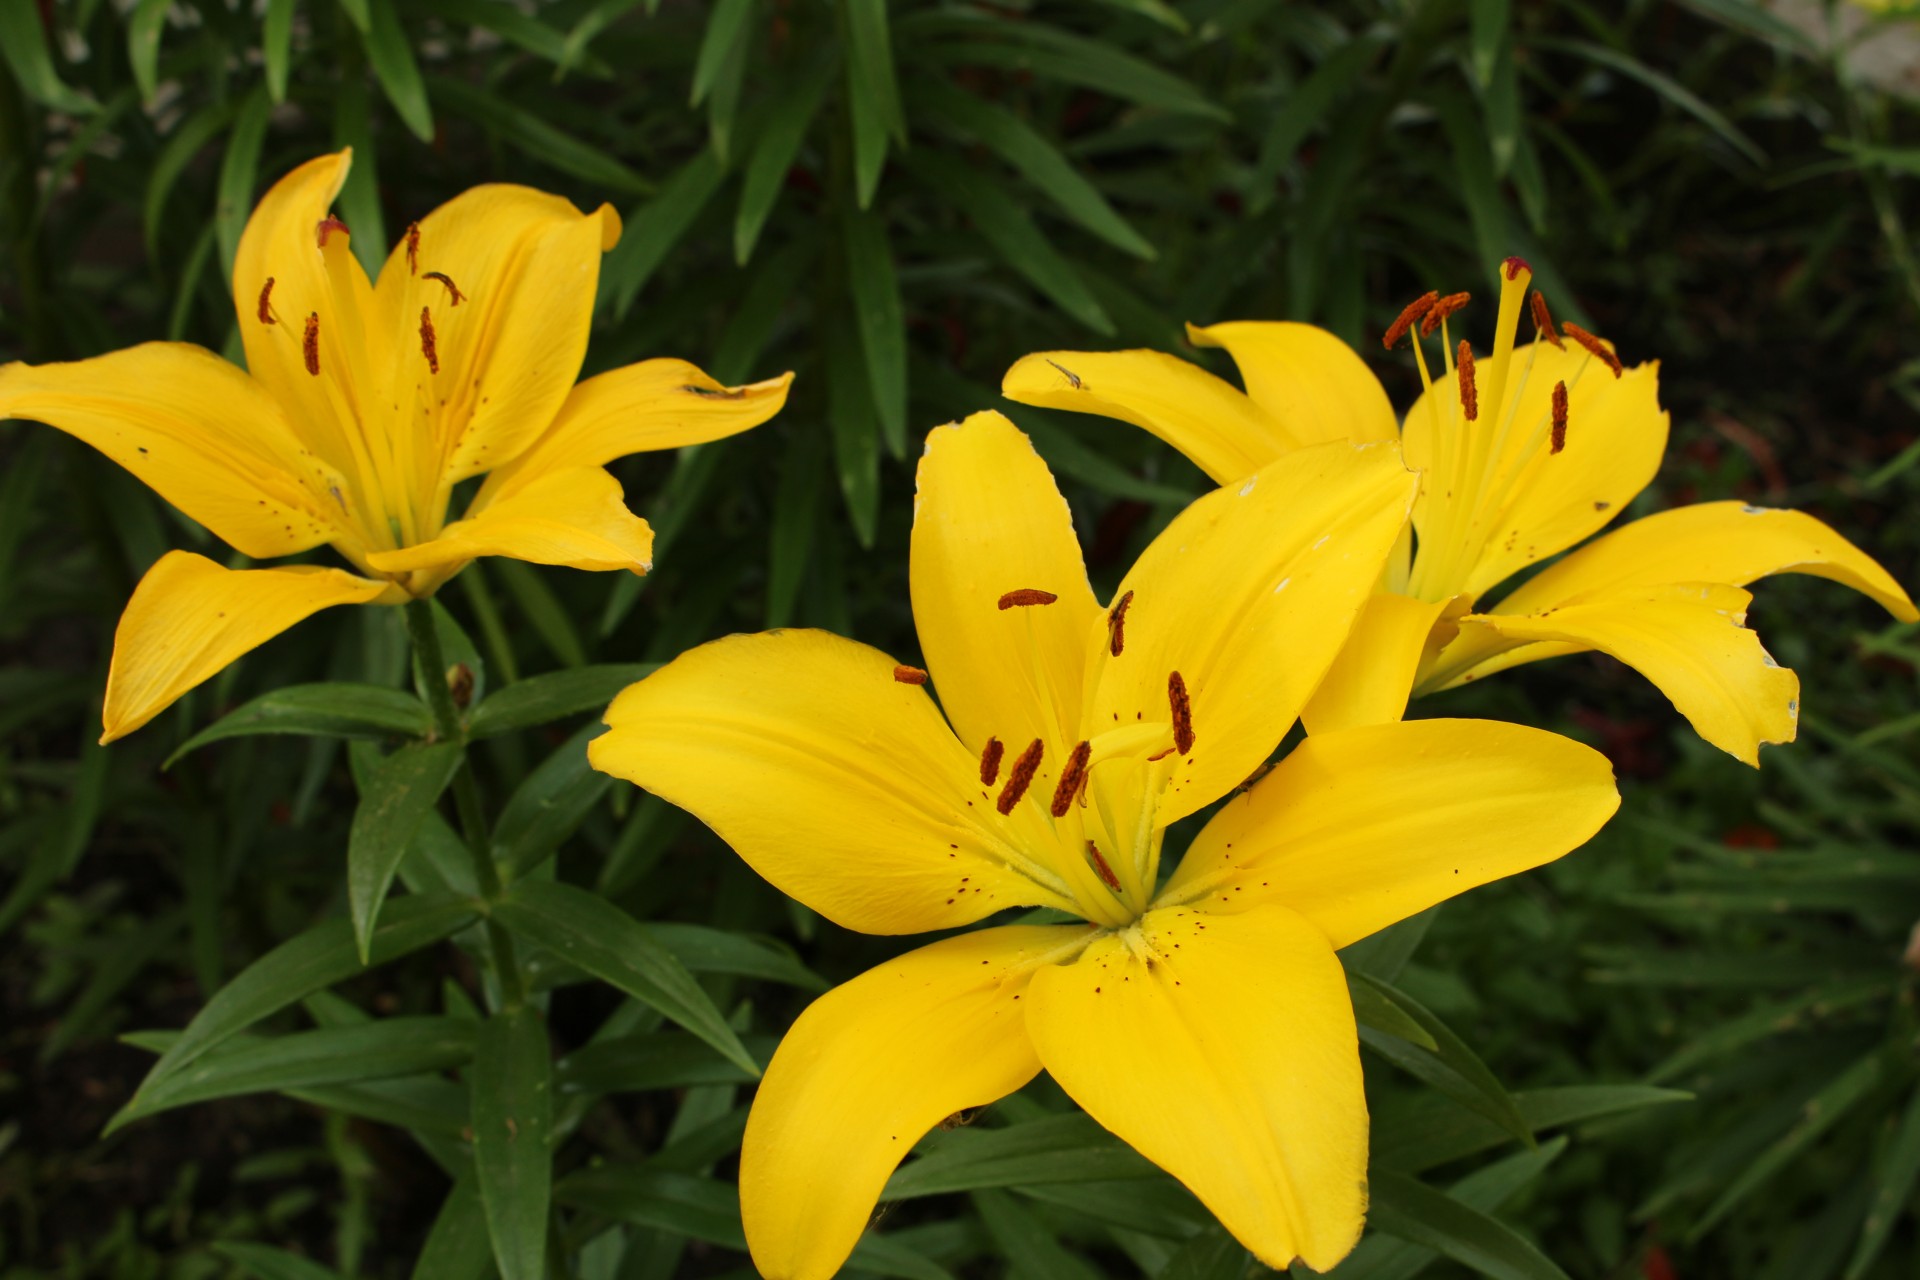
<point x="363" y="406"/>
<point x="1205" y="1020"/>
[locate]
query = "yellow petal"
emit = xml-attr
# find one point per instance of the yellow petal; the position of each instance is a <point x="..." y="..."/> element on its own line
<point x="189" y="618"/>
<point x="1689" y="639"/>
<point x="526" y="265"/>
<point x="577" y="518"/>
<point x="988" y="519"/>
<point x="1361" y="827"/>
<point x="203" y="434"/>
<point x="656" y="404"/>
<point x="1223" y="1049"/>
<point x="1226" y="434"/>
<point x="1371" y="679"/>
<point x="835" y="780"/>
<point x="867" y="1070"/>
<point x="1730" y="542"/>
<point x="1248" y="595"/>
<point x="1309" y="381"/>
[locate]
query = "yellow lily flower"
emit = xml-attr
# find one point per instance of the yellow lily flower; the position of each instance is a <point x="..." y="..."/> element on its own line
<point x="1523" y="454"/>
<point x="1206" y="1021"/>
<point x="363" y="405"/>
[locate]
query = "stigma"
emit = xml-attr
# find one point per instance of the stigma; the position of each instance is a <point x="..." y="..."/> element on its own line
<point x="325" y="228"/>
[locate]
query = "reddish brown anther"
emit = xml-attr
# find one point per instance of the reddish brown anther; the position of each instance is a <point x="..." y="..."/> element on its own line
<point x="453" y="290"/>
<point x="1100" y="865"/>
<point x="427" y="345"/>
<point x="990" y="761"/>
<point x="310" y="345"/>
<point x="1027" y="596"/>
<point x="1514" y="266"/>
<point x="413" y="248"/>
<point x="1469" y="393"/>
<point x="266" y="302"/>
<point x="1182" y="707"/>
<point x="1117" y="624"/>
<point x="1594" y="345"/>
<point x="1071" y="779"/>
<point x="326" y="227"/>
<point x="1408" y="315"/>
<point x="1543" y="320"/>
<point x="1442" y="310"/>
<point x="905" y="674"/>
<point x="1020" y="778"/>
<point x="1559" y="418"/>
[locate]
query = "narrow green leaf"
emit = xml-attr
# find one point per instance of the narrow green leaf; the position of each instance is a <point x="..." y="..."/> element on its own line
<point x="239" y="171"/>
<point x="68" y="833"/>
<point x="1051" y="54"/>
<point x="193" y="134"/>
<point x="1769" y="1019"/>
<point x="532" y="136"/>
<point x="856" y="432"/>
<point x="512" y="1104"/>
<point x="322" y="710"/>
<point x="395" y="799"/>
<point x="705" y="949"/>
<point x="654" y="229"/>
<point x="359" y="14"/>
<point x="1744" y="15"/>
<point x="457" y="1247"/>
<point x="516" y="28"/>
<point x="1429" y="1130"/>
<point x="594" y="935"/>
<point x="391" y="53"/>
<point x="549" y="805"/>
<point x="1211" y="1255"/>
<point x="1479" y="188"/>
<point x="1032" y="1251"/>
<point x="653" y="1060"/>
<point x="796" y="508"/>
<point x="873" y="92"/>
<point x="143" y="43"/>
<point x="276" y="47"/>
<point x="1488" y="21"/>
<point x="543" y="699"/>
<point x="1384" y="1257"/>
<point x="1452" y="1067"/>
<point x="773" y="154"/>
<point x="543" y="610"/>
<point x="1894" y="1178"/>
<point x="880" y="318"/>
<point x="360" y="196"/>
<point x="265" y="1262"/>
<point x="429" y="1105"/>
<point x="1372" y="1009"/>
<point x="727" y="25"/>
<point x="1673" y="91"/>
<point x="772" y="288"/>
<point x="23" y="43"/>
<point x="1400" y="1206"/>
<point x="1067" y="1148"/>
<point x="1384" y="954"/>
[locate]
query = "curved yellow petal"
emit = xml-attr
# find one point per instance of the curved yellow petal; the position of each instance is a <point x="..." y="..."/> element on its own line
<point x="1248" y="595"/>
<point x="204" y="435"/>
<point x="506" y="277"/>
<point x="1225" y="434"/>
<point x="1731" y="542"/>
<point x="577" y="518"/>
<point x="866" y="1071"/>
<point x="1690" y="639"/>
<point x="655" y="404"/>
<point x="1362" y="827"/>
<point x="1223" y="1048"/>
<point x="1308" y="381"/>
<point x="988" y="520"/>
<point x="189" y="618"/>
<point x="837" y="781"/>
<point x="1370" y="681"/>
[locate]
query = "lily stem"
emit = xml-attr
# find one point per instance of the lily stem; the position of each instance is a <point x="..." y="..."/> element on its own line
<point x="466" y="795"/>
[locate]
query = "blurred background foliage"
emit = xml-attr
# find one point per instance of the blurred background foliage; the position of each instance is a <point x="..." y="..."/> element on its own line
<point x="895" y="201"/>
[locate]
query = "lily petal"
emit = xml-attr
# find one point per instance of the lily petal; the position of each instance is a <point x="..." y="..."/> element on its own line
<point x="1362" y="827"/>
<point x="199" y="431"/>
<point x="189" y="618"/>
<point x="869" y="1068"/>
<point x="1310" y="382"/>
<point x="988" y="520"/>
<point x="1691" y="641"/>
<point x="1371" y="680"/>
<point x="1223" y="1048"/>
<point x="835" y="780"/>
<point x="1226" y="434"/>
<point x="656" y="404"/>
<point x="1248" y="595"/>
<point x="577" y="518"/>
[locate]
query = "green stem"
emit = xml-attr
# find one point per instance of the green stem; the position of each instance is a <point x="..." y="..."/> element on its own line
<point x="466" y="794"/>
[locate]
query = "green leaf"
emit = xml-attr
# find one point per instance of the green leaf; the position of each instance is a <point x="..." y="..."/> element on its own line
<point x="1769" y="1019"/>
<point x="655" y="228"/>
<point x="1372" y="1009"/>
<point x="652" y="1060"/>
<point x="322" y="710"/>
<point x="193" y="134"/>
<point x="309" y="1059"/>
<point x="856" y="433"/>
<point x="773" y="155"/>
<point x="880" y="318"/>
<point x="727" y="25"/>
<point x="391" y="53"/>
<point x="549" y="805"/>
<point x="1451" y="1067"/>
<point x="1744" y="15"/>
<point x="543" y="699"/>
<point x="1211" y="1255"/>
<point x="1385" y="1257"/>
<point x="1384" y="954"/>
<point x="456" y="650"/>
<point x="531" y="135"/>
<point x="421" y="1104"/>
<point x="1032" y="1251"/>
<point x="512" y="1104"/>
<point x="1400" y="1206"/>
<point x="457" y="1247"/>
<point x="309" y="962"/>
<point x="705" y="949"/>
<point x="1894" y="1177"/>
<point x="873" y="92"/>
<point x="796" y="511"/>
<point x="395" y="798"/>
<point x="1673" y="91"/>
<point x="1048" y="53"/>
<point x="265" y="1262"/>
<point x="543" y="610"/>
<point x="23" y="43"/>
<point x="1067" y="1148"/>
<point x="516" y="28"/>
<point x="239" y="170"/>
<point x="594" y="935"/>
<point x="360" y="196"/>
<point x="1428" y="1130"/>
<point x="276" y="47"/>
<point x="358" y="14"/>
<point x="143" y="43"/>
<point x="1488" y="21"/>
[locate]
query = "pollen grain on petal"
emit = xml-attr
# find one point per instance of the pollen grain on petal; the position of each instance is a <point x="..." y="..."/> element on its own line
<point x="1543" y="320"/>
<point x="1182" y="707"/>
<point x="413" y="248"/>
<point x="428" y="347"/>
<point x="324" y="229"/>
<point x="1559" y="441"/>
<point x="1020" y="778"/>
<point x="310" y="344"/>
<point x="1100" y="865"/>
<point x="1071" y="779"/>
<point x="1442" y="310"/>
<point x="1117" y="624"/>
<point x="453" y="290"/>
<point x="990" y="761"/>
<point x="1026" y="596"/>
<point x="266" y="302"/>
<point x="904" y="674"/>
<point x="1599" y="349"/>
<point x="1409" y="314"/>
<point x="1469" y="392"/>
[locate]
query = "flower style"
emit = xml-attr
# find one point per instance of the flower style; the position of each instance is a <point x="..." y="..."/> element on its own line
<point x="363" y="406"/>
<point x="1206" y="1020"/>
<point x="1523" y="454"/>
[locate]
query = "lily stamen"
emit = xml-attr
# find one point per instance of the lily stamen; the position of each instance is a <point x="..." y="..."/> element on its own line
<point x="904" y="674"/>
<point x="1100" y="866"/>
<point x="1559" y="440"/>
<point x="427" y="346"/>
<point x="1182" y="712"/>
<point x="990" y="761"/>
<point x="1442" y="311"/>
<point x="1469" y="393"/>
<point x="266" y="302"/>
<point x="1025" y="596"/>
<point x="1595" y="347"/>
<point x="1021" y="778"/>
<point x="1543" y="320"/>
<point x="453" y="289"/>
<point x="1408" y="315"/>
<point x="1071" y="779"/>
<point x="413" y="248"/>
<point x="310" y="345"/>
<point x="1117" y="625"/>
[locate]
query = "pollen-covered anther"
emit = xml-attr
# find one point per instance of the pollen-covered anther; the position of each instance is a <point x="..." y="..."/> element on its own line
<point x="1026" y="596"/>
<point x="1071" y="779"/>
<point x="1514" y="266"/>
<point x="1599" y="349"/>
<point x="413" y="248"/>
<point x="326" y="227"/>
<point x="990" y="761"/>
<point x="1543" y="320"/>
<point x="1100" y="866"/>
<point x="266" y="302"/>
<point x="1117" y="624"/>
<point x="453" y="290"/>
<point x="1020" y="778"/>
<point x="1409" y="314"/>
<point x="904" y="674"/>
<point x="1469" y="392"/>
<point x="1442" y="310"/>
<point x="428" y="347"/>
<point x="1559" y="441"/>
<point x="310" y="344"/>
<point x="1182" y="707"/>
